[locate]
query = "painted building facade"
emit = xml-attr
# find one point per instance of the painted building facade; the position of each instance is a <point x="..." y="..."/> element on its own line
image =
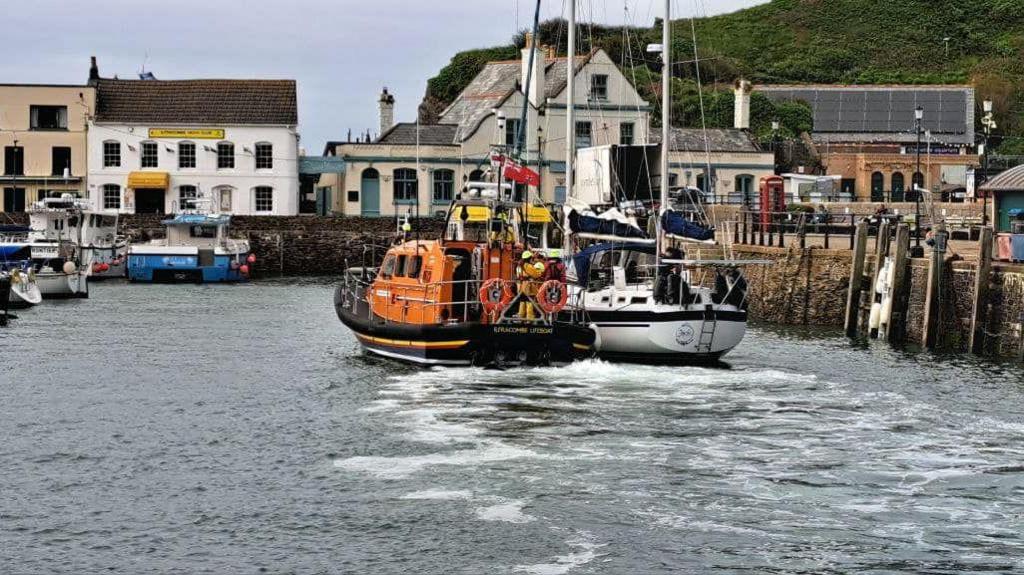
<point x="155" y="144"/>
<point x="43" y="137"/>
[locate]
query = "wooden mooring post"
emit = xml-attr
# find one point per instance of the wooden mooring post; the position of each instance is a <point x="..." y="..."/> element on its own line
<point x="982" y="281"/>
<point x="933" y="293"/>
<point x="860" y="245"/>
<point x="896" y="322"/>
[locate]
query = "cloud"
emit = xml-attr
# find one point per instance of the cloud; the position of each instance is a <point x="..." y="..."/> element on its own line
<point x="340" y="52"/>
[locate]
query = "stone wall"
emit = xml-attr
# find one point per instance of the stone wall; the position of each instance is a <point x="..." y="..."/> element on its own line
<point x="801" y="286"/>
<point x="301" y="245"/>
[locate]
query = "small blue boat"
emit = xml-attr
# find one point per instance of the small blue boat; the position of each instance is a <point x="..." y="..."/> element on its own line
<point x="197" y="249"/>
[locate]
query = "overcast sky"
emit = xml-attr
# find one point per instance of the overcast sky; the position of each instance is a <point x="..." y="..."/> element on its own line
<point x="341" y="52"/>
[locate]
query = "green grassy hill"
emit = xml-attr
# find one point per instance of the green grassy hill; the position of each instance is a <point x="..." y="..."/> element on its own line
<point x="829" y="41"/>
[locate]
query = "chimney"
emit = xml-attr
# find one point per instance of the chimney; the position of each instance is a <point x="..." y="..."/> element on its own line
<point x="387" y="110"/>
<point x="741" y="114"/>
<point x="536" y="91"/>
<point x="94" y="71"/>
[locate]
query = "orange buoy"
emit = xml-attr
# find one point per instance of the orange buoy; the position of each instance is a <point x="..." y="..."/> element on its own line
<point x="495" y="294"/>
<point x="244" y="269"/>
<point x="251" y="259"/>
<point x="552" y="296"/>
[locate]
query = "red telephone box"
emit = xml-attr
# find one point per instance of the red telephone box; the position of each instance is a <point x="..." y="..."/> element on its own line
<point x="773" y="198"/>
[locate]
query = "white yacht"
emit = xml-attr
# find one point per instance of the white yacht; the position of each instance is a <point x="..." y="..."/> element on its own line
<point x="646" y="300"/>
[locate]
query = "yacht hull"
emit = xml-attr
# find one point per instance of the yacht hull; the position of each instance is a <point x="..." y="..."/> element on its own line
<point x="23" y="295"/>
<point x="667" y="337"/>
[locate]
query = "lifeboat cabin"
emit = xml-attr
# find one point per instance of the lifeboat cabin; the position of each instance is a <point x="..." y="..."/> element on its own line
<point x="464" y="299"/>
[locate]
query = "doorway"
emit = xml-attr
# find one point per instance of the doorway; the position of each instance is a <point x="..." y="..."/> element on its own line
<point x="14" y="199"/>
<point x="369" y="204"/>
<point x="150" y="201"/>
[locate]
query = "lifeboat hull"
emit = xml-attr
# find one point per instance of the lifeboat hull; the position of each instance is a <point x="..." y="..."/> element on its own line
<point x="466" y="343"/>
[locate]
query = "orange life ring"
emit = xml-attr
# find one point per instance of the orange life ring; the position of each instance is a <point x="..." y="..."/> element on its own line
<point x="552" y="296"/>
<point x="496" y="294"/>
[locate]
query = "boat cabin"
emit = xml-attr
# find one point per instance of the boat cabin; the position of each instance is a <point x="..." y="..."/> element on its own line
<point x="197" y="230"/>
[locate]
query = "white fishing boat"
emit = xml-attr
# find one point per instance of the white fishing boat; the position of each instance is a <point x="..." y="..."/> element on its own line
<point x="647" y="301"/>
<point x="58" y="229"/>
<point x="53" y="221"/>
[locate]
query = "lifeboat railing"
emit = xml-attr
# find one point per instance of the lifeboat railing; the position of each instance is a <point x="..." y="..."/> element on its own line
<point x="356" y="283"/>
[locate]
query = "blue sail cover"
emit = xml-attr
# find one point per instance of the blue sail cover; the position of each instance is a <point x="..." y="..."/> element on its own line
<point x="581" y="261"/>
<point x="579" y="223"/>
<point x="15" y="252"/>
<point x="676" y="224"/>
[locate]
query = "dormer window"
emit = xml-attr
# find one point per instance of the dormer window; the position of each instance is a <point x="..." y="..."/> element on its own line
<point x="599" y="87"/>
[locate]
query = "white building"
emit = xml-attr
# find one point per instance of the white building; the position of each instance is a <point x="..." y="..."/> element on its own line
<point x="154" y="143"/>
<point x="413" y="168"/>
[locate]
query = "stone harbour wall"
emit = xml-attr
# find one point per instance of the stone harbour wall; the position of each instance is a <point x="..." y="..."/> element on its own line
<point x="302" y="245"/>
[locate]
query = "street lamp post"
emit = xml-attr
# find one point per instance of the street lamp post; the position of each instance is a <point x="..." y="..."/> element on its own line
<point x="918" y="250"/>
<point x="989" y="124"/>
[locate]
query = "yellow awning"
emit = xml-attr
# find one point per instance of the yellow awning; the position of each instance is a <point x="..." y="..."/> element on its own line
<point x="534" y="214"/>
<point x="138" y="180"/>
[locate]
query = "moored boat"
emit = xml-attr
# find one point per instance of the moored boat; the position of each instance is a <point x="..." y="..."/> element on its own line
<point x="456" y="300"/>
<point x="197" y="249"/>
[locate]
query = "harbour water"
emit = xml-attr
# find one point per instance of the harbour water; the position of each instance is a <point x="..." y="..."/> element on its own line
<point x="238" y="429"/>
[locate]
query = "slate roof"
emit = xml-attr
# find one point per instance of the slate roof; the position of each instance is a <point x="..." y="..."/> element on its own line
<point x="195" y="102"/>
<point x="718" y="140"/>
<point x="429" y="134"/>
<point x="1009" y="181"/>
<point x="495" y="83"/>
<point x="883" y="113"/>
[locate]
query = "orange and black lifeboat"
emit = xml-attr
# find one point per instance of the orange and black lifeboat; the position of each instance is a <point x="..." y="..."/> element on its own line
<point x="452" y="303"/>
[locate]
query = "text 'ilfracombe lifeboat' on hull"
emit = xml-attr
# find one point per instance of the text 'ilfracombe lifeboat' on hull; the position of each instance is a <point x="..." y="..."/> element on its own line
<point x="479" y="295"/>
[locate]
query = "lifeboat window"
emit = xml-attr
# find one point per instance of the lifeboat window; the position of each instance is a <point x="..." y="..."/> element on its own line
<point x="388" y="269"/>
<point x="413" y="267"/>
<point x="400" y="266"/>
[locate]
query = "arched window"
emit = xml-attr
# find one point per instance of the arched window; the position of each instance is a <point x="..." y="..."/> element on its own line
<point x="444" y="186"/>
<point x="406" y="185"/>
<point x="225" y="156"/>
<point x="918" y="182"/>
<point x="111" y="197"/>
<point x="150" y="157"/>
<point x="264" y="156"/>
<point x="111" y="154"/>
<point x="701" y="183"/>
<point x="186" y="197"/>
<point x="745" y="187"/>
<point x="877" y="187"/>
<point x="897" y="187"/>
<point x="476" y="176"/>
<point x="263" y="199"/>
<point x="186" y="154"/>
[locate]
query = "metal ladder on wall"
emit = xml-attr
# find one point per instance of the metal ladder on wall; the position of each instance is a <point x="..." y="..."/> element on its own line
<point x="707" y="332"/>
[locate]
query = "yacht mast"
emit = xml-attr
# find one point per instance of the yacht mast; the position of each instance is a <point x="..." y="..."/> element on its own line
<point x="570" y="108"/>
<point x="666" y="116"/>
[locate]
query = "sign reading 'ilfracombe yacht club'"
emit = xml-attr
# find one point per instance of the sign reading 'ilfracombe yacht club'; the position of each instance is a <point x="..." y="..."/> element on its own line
<point x="196" y="134"/>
